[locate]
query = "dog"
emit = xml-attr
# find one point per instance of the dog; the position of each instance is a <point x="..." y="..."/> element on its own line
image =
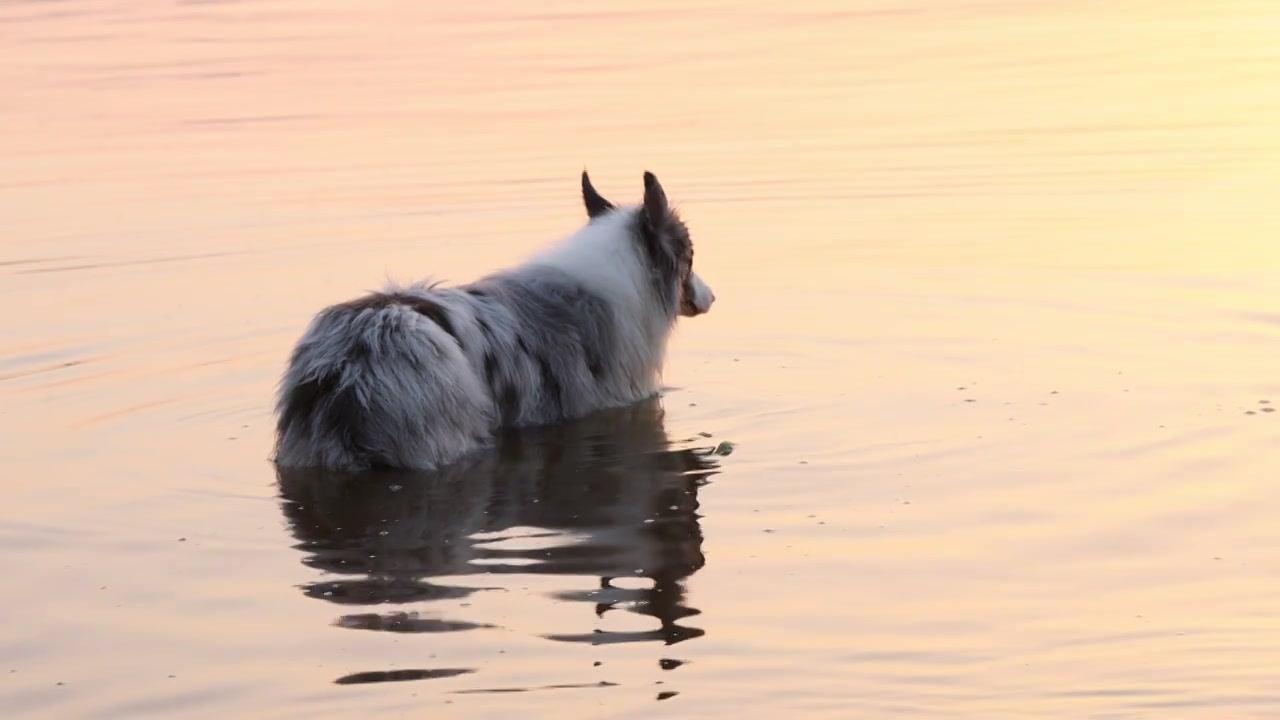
<point x="419" y="376"/>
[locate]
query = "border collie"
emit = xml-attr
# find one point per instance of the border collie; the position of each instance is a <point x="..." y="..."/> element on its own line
<point x="417" y="377"/>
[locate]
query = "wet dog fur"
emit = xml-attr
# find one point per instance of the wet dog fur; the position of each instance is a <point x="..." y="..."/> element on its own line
<point x="419" y="376"/>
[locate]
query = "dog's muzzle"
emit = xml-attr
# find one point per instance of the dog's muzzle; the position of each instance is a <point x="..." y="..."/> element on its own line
<point x="698" y="298"/>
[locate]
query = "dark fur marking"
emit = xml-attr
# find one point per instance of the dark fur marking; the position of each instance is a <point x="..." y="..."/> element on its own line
<point x="596" y="334"/>
<point x="343" y="416"/>
<point x="595" y="363"/>
<point x="553" y="393"/>
<point x="585" y="322"/>
<point x="663" y="260"/>
<point x="433" y="311"/>
<point x="490" y="370"/>
<point x="486" y="332"/>
<point x="324" y="401"/>
<point x="509" y="404"/>
<point x="303" y="399"/>
<point x="425" y="307"/>
<point x="360" y="350"/>
<point x="372" y="301"/>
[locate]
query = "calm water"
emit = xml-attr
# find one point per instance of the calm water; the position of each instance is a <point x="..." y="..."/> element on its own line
<point x="997" y="340"/>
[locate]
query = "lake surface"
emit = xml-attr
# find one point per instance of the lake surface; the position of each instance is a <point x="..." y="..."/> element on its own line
<point x="997" y="339"/>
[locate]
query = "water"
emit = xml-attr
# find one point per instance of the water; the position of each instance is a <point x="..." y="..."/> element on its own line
<point x="996" y="339"/>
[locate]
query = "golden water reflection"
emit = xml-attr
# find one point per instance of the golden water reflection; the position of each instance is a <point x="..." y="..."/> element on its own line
<point x="998" y="308"/>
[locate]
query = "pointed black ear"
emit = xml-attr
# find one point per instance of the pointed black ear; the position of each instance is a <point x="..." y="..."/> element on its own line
<point x="596" y="205"/>
<point x="655" y="201"/>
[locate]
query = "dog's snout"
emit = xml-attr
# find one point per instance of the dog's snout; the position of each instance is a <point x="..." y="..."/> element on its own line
<point x="698" y="297"/>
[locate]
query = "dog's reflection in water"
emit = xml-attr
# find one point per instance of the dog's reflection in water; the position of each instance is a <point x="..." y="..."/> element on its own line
<point x="609" y="496"/>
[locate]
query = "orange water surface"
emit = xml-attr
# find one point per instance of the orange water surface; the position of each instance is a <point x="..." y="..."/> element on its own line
<point x="997" y="343"/>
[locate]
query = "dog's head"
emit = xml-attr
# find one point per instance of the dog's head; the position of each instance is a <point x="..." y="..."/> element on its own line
<point x="665" y="244"/>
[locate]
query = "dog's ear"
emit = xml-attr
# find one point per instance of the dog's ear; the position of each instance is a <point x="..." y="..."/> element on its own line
<point x="655" y="201"/>
<point x="596" y="205"/>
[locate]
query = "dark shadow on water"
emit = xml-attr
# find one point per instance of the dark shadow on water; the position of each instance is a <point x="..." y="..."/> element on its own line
<point x="366" y="678"/>
<point x="609" y="497"/>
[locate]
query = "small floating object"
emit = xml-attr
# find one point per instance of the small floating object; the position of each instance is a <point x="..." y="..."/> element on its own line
<point x="724" y="448"/>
